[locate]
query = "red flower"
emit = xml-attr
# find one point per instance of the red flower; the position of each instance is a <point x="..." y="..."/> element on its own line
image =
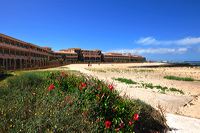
<point x="107" y="124"/>
<point x="110" y="87"/>
<point x="136" y="117"/>
<point x="83" y="85"/>
<point x="51" y="87"/>
<point x="121" y="125"/>
<point x="130" y="122"/>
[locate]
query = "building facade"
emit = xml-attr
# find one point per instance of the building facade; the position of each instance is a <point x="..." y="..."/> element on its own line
<point x="118" y="57"/>
<point x="16" y="54"/>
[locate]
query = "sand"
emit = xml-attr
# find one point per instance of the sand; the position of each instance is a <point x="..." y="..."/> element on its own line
<point x="187" y="104"/>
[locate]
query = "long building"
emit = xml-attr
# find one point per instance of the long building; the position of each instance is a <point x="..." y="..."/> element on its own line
<point x="16" y="54"/>
<point x="118" y="57"/>
<point x="86" y="55"/>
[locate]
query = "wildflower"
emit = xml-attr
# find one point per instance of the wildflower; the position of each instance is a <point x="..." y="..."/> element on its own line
<point x="97" y="96"/>
<point x="111" y="87"/>
<point x="83" y="85"/>
<point x="63" y="74"/>
<point x="98" y="120"/>
<point x="85" y="113"/>
<point x="136" y="117"/>
<point x="67" y="98"/>
<point x="107" y="124"/>
<point x="113" y="110"/>
<point x="130" y="122"/>
<point x="117" y="129"/>
<point x="121" y="125"/>
<point x="51" y="87"/>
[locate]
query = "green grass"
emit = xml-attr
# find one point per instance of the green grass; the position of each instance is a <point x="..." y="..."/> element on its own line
<point x="160" y="88"/>
<point x="124" y="80"/>
<point x="26" y="105"/>
<point x="124" y="70"/>
<point x="179" y="78"/>
<point x="96" y="70"/>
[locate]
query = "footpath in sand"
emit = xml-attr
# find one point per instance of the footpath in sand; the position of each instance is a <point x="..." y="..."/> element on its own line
<point x="187" y="104"/>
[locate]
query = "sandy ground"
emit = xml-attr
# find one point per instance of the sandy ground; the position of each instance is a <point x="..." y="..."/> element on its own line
<point x="187" y="104"/>
<point x="176" y="106"/>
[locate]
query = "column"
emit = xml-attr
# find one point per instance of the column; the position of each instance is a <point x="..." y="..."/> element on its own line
<point x="6" y="66"/>
<point x="20" y="63"/>
<point x="14" y="64"/>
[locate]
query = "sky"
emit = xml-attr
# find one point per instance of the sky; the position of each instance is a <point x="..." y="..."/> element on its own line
<point x="156" y="29"/>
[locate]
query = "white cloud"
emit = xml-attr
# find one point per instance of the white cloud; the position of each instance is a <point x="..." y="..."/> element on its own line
<point x="184" y="41"/>
<point x="152" y="51"/>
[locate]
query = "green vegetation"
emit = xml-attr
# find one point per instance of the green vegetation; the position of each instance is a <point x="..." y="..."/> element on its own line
<point x="65" y="102"/>
<point x="118" y="70"/>
<point x="124" y="80"/>
<point x="160" y="88"/>
<point x="179" y="78"/>
<point x="96" y="70"/>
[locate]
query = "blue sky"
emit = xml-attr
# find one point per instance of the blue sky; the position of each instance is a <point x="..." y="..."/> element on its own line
<point x="157" y="29"/>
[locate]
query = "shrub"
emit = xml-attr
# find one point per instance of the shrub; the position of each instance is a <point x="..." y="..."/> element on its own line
<point x="63" y="102"/>
<point x="124" y="80"/>
<point x="179" y="78"/>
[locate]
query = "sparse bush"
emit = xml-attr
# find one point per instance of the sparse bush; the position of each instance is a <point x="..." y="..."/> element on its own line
<point x="160" y="88"/>
<point x="124" y="80"/>
<point x="179" y="78"/>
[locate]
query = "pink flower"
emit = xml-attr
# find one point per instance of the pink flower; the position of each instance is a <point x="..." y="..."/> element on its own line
<point x="107" y="124"/>
<point x="136" y="117"/>
<point x="110" y="87"/>
<point x="130" y="122"/>
<point x="121" y="125"/>
<point x="51" y="87"/>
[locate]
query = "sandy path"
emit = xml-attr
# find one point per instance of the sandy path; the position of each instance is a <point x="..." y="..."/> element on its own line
<point x="170" y="103"/>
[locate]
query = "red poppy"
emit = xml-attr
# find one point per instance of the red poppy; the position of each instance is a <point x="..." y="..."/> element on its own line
<point x="136" y="117"/>
<point x="107" y="124"/>
<point x="51" y="87"/>
<point x="110" y="87"/>
<point x="130" y="123"/>
<point x="83" y="85"/>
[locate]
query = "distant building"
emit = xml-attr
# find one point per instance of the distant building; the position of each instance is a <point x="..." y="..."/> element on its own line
<point x="17" y="54"/>
<point x="87" y="55"/>
<point x="67" y="56"/>
<point x="118" y="57"/>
